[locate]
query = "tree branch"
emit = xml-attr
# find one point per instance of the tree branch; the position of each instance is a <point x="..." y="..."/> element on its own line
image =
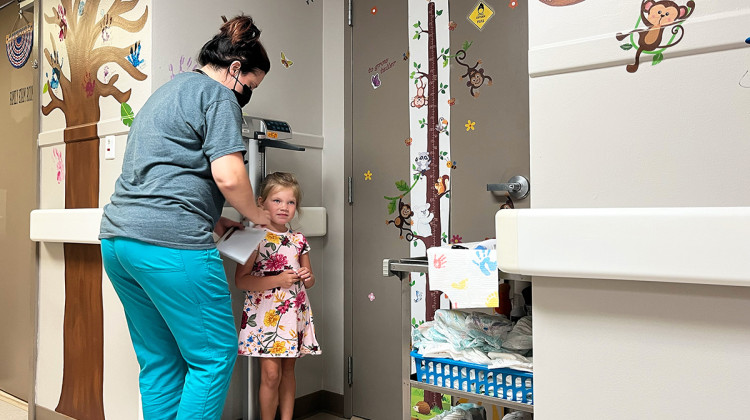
<point x="104" y="55"/>
<point x="64" y="82"/>
<point x="109" y="89"/>
<point x="119" y="8"/>
<point x="71" y="18"/>
<point x="55" y="103"/>
<point x="52" y="20"/>
<point x="131" y="26"/>
<point x="443" y="193"/>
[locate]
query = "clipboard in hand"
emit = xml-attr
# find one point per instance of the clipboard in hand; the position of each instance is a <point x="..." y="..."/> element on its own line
<point x="238" y="244"/>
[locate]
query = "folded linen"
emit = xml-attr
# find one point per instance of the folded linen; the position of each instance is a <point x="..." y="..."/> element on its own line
<point x="467" y="276"/>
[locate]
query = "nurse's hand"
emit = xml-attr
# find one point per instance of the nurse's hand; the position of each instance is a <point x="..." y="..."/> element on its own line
<point x="225" y="224"/>
<point x="261" y="217"/>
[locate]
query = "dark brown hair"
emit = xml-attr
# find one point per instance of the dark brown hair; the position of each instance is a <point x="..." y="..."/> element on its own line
<point x="237" y="40"/>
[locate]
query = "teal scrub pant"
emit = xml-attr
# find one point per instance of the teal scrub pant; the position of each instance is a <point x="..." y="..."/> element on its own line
<point x="179" y="313"/>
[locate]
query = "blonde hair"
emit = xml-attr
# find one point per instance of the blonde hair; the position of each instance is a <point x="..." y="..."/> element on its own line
<point x="280" y="180"/>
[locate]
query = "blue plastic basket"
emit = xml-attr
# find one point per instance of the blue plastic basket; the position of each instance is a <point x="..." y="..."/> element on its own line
<point x="507" y="384"/>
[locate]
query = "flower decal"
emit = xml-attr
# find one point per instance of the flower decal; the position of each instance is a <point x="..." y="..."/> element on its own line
<point x="368" y="176"/>
<point x="456" y="239"/>
<point x="470" y="125"/>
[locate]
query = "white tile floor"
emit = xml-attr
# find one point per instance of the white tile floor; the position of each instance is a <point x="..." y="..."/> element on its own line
<point x="12" y="409"/>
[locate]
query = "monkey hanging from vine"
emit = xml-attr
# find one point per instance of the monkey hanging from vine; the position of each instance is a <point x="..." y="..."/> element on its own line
<point x="476" y="74"/>
<point x="657" y="16"/>
<point x="403" y="220"/>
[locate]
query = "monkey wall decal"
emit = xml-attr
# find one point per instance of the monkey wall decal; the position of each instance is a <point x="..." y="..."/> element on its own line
<point x="403" y="220"/>
<point x="657" y="16"/>
<point x="476" y="74"/>
<point x="420" y="99"/>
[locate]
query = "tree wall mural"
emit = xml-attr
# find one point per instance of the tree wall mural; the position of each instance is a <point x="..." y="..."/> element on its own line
<point x="80" y="45"/>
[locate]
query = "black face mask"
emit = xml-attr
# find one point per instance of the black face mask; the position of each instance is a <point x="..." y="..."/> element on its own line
<point x="244" y="97"/>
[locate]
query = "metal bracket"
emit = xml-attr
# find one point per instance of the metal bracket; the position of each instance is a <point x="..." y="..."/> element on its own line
<point x="517" y="187"/>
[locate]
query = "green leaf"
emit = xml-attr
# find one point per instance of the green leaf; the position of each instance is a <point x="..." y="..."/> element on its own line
<point x="391" y="206"/>
<point x="402" y="185"/>
<point x="445" y="63"/>
<point x="127" y="115"/>
<point x="415" y="244"/>
<point x="412" y="283"/>
<point x="416" y="25"/>
<point x="416" y="36"/>
<point x="415" y="65"/>
<point x="416" y="177"/>
<point x="657" y="59"/>
<point x="626" y="46"/>
<point x="46" y="87"/>
<point x="466" y="45"/>
<point x="439" y="12"/>
<point x="419" y="36"/>
<point x="448" y="195"/>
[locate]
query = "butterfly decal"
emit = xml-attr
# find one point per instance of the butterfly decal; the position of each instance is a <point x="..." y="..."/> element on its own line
<point x="286" y="62"/>
<point x="375" y="79"/>
<point x="406" y="55"/>
<point x="418" y="295"/>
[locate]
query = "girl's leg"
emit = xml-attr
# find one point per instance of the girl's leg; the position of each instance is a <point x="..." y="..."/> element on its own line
<point x="270" y="378"/>
<point x="287" y="389"/>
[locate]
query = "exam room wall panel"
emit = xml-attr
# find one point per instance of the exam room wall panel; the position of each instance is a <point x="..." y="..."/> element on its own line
<point x="669" y="135"/>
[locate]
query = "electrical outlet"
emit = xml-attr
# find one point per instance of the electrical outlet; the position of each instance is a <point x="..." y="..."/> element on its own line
<point x="109" y="148"/>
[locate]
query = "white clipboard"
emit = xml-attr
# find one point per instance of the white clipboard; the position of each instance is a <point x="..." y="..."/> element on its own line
<point x="238" y="244"/>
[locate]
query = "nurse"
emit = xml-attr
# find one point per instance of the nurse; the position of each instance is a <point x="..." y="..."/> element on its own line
<point x="184" y="157"/>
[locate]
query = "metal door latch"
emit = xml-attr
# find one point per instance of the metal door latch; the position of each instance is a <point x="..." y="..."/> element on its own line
<point x="517" y="187"/>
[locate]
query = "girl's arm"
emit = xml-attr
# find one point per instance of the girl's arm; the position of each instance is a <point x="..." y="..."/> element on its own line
<point x="305" y="271"/>
<point x="244" y="281"/>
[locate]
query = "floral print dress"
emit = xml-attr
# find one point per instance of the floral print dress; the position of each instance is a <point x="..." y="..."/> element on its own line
<point x="278" y="322"/>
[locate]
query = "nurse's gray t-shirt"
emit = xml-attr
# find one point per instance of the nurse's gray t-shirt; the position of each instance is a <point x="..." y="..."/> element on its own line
<point x="166" y="194"/>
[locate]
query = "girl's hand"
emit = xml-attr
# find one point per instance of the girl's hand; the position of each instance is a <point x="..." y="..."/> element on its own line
<point x="225" y="224"/>
<point x="287" y="279"/>
<point x="306" y="275"/>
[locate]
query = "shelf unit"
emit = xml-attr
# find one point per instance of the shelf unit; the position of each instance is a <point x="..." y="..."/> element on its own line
<point x="401" y="268"/>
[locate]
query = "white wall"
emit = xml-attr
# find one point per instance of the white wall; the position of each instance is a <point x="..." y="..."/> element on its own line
<point x="674" y="134"/>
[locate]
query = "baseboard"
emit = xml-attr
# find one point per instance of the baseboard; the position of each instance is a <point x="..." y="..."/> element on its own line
<point x="307" y="405"/>
<point x="42" y="413"/>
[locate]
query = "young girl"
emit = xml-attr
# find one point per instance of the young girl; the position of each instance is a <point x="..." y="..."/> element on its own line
<point x="277" y="322"/>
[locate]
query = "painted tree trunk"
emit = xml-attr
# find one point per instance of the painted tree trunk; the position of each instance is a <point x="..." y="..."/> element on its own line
<point x="82" y="392"/>
<point x="432" y="298"/>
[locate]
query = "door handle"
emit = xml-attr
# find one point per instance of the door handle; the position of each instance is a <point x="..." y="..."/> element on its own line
<point x="517" y="187"/>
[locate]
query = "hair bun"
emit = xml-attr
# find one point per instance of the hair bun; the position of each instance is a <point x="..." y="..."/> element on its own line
<point x="241" y="31"/>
